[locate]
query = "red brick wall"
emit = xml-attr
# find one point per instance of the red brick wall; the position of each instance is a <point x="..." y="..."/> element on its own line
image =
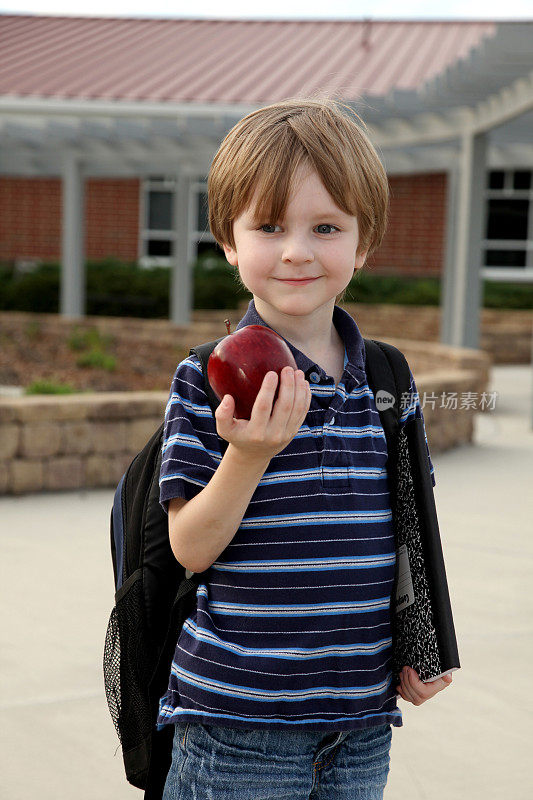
<point x="112" y="214"/>
<point x="30" y="222"/>
<point x="30" y="218"/>
<point x="415" y="238"/>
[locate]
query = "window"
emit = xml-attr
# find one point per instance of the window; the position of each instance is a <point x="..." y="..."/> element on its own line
<point x="204" y="240"/>
<point x="158" y="226"/>
<point x="508" y="242"/>
<point x="158" y="206"/>
<point x="203" y="221"/>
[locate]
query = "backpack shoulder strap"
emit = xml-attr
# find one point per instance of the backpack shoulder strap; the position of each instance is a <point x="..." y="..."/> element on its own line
<point x="203" y="351"/>
<point x="388" y="372"/>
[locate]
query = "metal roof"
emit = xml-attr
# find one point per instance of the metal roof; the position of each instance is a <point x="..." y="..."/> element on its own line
<point x="224" y="61"/>
<point x="145" y="96"/>
<point x="93" y="96"/>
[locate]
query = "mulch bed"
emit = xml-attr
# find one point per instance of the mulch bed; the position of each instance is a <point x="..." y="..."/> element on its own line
<point x="27" y="356"/>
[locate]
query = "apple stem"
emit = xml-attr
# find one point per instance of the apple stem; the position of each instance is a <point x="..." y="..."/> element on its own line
<point x="227" y="323"/>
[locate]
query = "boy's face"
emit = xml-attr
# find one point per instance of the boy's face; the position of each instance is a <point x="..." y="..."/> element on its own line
<point x="297" y="266"/>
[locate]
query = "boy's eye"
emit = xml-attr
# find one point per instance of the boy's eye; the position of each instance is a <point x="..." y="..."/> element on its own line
<point x="323" y="228"/>
<point x="330" y="228"/>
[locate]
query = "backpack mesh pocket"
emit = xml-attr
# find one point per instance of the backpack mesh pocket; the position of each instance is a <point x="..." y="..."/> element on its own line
<point x="126" y="671"/>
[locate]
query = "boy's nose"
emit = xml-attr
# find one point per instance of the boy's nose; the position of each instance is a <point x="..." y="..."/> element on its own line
<point x="297" y="251"/>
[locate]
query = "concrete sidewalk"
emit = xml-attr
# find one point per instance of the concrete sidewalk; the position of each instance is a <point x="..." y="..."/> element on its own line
<point x="471" y="742"/>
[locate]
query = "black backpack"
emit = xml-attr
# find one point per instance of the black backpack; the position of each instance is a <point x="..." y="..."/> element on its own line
<point x="154" y="595"/>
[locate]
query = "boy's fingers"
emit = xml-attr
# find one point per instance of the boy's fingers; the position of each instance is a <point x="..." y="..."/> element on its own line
<point x="224" y="414"/>
<point x="262" y="407"/>
<point x="226" y="405"/>
<point x="406" y="689"/>
<point x="302" y="399"/>
<point x="439" y="684"/>
<point x="305" y="395"/>
<point x="300" y="405"/>
<point x="421" y="691"/>
<point x="285" y="399"/>
<point x="416" y="687"/>
<point x="414" y="690"/>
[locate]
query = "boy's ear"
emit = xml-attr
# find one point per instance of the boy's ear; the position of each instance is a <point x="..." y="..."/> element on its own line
<point x="360" y="259"/>
<point x="231" y="255"/>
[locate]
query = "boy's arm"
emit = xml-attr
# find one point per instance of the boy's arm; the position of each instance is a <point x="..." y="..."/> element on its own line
<point x="201" y="528"/>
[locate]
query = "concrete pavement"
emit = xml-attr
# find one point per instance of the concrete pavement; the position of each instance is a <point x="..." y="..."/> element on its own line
<point x="471" y="742"/>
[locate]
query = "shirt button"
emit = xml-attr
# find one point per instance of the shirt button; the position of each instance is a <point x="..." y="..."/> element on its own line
<point x="314" y="377"/>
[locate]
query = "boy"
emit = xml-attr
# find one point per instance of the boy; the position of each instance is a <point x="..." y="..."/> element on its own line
<point x="281" y="682"/>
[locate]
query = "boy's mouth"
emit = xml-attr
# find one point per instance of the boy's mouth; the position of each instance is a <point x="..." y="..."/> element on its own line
<point x="297" y="281"/>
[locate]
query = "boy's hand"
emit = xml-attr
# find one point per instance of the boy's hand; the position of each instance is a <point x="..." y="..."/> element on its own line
<point x="268" y="431"/>
<point x="415" y="691"/>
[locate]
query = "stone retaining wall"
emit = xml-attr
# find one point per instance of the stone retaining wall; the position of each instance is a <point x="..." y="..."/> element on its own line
<point x="87" y="440"/>
<point x="505" y="335"/>
<point x="51" y="442"/>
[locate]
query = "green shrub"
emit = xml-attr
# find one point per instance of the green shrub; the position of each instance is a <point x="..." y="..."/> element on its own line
<point x="49" y="387"/>
<point x="368" y="288"/>
<point x="115" y="288"/>
<point x="81" y="339"/>
<point x="97" y="359"/>
<point x="34" y="291"/>
<point x="507" y="295"/>
<point x="92" y="344"/>
<point x="33" y="330"/>
<point x="216" y="284"/>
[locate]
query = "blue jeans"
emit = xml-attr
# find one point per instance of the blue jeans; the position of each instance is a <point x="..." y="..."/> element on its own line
<point x="210" y="762"/>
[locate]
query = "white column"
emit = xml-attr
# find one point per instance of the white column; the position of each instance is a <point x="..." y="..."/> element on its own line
<point x="532" y="379"/>
<point x="447" y="282"/>
<point x="72" y="289"/>
<point x="181" y="279"/>
<point x="467" y="283"/>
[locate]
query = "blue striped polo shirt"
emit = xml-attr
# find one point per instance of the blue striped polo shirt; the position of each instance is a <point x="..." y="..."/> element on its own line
<point x="292" y="626"/>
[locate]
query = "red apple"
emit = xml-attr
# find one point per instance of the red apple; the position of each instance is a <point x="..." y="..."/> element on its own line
<point x="241" y="360"/>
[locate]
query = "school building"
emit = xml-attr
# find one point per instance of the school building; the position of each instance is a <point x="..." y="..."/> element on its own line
<point x="108" y="127"/>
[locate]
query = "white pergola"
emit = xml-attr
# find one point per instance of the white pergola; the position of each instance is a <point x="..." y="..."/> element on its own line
<point x="476" y="115"/>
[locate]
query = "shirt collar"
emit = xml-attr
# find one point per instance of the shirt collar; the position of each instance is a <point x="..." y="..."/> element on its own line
<point x="355" y="357"/>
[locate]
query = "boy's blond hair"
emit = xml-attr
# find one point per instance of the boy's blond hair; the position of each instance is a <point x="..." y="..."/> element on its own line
<point x="265" y="149"/>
